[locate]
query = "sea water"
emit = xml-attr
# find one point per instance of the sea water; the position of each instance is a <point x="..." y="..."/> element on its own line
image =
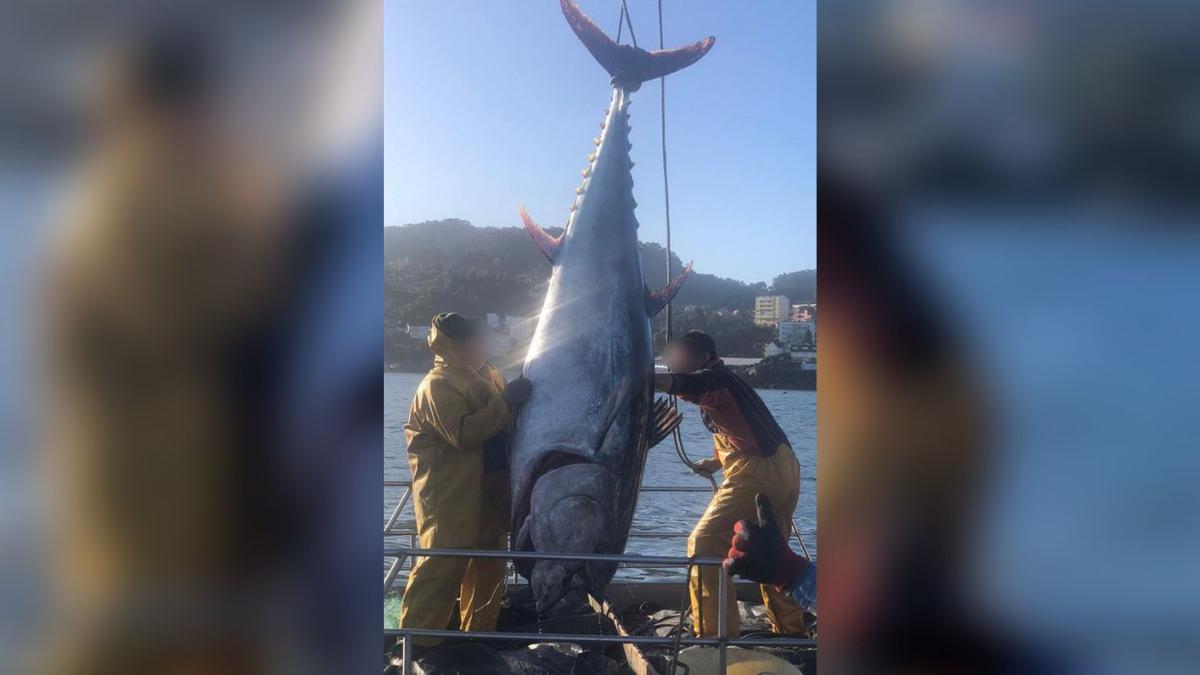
<point x="656" y="511"/>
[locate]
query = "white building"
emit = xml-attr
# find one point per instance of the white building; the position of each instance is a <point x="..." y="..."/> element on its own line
<point x="772" y="349"/>
<point x="418" y="332"/>
<point x="805" y="312"/>
<point x="797" y="332"/>
<point x="789" y="332"/>
<point x="771" y="309"/>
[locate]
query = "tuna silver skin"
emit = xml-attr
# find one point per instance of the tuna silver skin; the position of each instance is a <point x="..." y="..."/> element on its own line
<point x="581" y="439"/>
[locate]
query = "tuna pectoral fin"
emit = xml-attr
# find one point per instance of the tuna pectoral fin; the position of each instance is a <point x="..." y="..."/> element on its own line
<point x="657" y="300"/>
<point x="549" y="245"/>
<point x="664" y="420"/>
<point x="628" y="65"/>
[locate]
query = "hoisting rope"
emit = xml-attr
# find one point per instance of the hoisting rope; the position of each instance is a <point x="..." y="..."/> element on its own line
<point x="622" y="21"/>
<point x="676" y="436"/>
<point x="626" y="20"/>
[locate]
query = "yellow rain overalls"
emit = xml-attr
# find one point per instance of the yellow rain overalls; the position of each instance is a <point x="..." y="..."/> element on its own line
<point x="755" y="457"/>
<point x="778" y="477"/>
<point x="454" y="412"/>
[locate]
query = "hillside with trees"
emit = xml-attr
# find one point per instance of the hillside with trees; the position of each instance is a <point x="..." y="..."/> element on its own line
<point x="800" y="287"/>
<point x="450" y="265"/>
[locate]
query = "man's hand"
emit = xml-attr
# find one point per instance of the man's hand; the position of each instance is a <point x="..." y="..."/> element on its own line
<point x="517" y="392"/>
<point x="707" y="467"/>
<point x="760" y="553"/>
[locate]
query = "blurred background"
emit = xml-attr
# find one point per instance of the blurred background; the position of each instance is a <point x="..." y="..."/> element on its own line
<point x="190" y="278"/>
<point x="1006" y="236"/>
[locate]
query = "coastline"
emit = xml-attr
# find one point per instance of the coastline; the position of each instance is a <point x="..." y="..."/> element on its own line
<point x="793" y="380"/>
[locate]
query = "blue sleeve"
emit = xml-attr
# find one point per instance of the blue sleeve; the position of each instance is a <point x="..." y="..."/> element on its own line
<point x="804" y="591"/>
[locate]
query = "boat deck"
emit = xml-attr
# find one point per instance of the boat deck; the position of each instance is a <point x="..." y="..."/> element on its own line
<point x="622" y="596"/>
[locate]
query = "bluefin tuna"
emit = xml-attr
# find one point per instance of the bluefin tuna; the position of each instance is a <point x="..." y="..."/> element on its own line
<point x="581" y="440"/>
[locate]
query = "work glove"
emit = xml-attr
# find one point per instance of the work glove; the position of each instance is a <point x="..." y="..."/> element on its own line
<point x="760" y="553"/>
<point x="517" y="392"/>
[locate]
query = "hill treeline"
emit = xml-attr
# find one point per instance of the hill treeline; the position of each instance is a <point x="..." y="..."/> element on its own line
<point x="450" y="265"/>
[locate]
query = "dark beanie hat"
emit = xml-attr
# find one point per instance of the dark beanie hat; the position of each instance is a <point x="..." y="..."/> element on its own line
<point x="699" y="341"/>
<point x="455" y="326"/>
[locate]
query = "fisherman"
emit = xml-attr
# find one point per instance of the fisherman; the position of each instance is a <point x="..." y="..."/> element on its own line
<point x="163" y="286"/>
<point x="755" y="456"/>
<point x="457" y="434"/>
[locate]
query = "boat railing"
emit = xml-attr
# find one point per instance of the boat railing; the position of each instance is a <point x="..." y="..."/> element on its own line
<point x="722" y="642"/>
<point x="400" y="555"/>
<point x="390" y="528"/>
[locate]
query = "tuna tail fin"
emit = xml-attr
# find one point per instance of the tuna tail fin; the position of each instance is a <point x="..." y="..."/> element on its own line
<point x="663" y="422"/>
<point x="628" y="65"/>
<point x="548" y="244"/>
<point x="657" y="300"/>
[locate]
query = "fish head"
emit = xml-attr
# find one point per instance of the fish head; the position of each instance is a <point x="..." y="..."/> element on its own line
<point x="572" y="510"/>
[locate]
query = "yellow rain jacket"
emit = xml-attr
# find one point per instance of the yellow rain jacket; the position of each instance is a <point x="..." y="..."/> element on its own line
<point x="454" y="412"/>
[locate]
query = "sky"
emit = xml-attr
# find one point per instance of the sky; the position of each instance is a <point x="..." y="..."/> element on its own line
<point x="489" y="105"/>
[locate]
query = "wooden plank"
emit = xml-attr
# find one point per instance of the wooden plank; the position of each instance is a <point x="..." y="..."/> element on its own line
<point x="633" y="654"/>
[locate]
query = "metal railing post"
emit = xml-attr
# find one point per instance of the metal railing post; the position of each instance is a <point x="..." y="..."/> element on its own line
<point x="390" y="577"/>
<point x="691" y="565"/>
<point x="406" y="669"/>
<point x="396" y="512"/>
<point x="722" y="617"/>
<point x="587" y="638"/>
